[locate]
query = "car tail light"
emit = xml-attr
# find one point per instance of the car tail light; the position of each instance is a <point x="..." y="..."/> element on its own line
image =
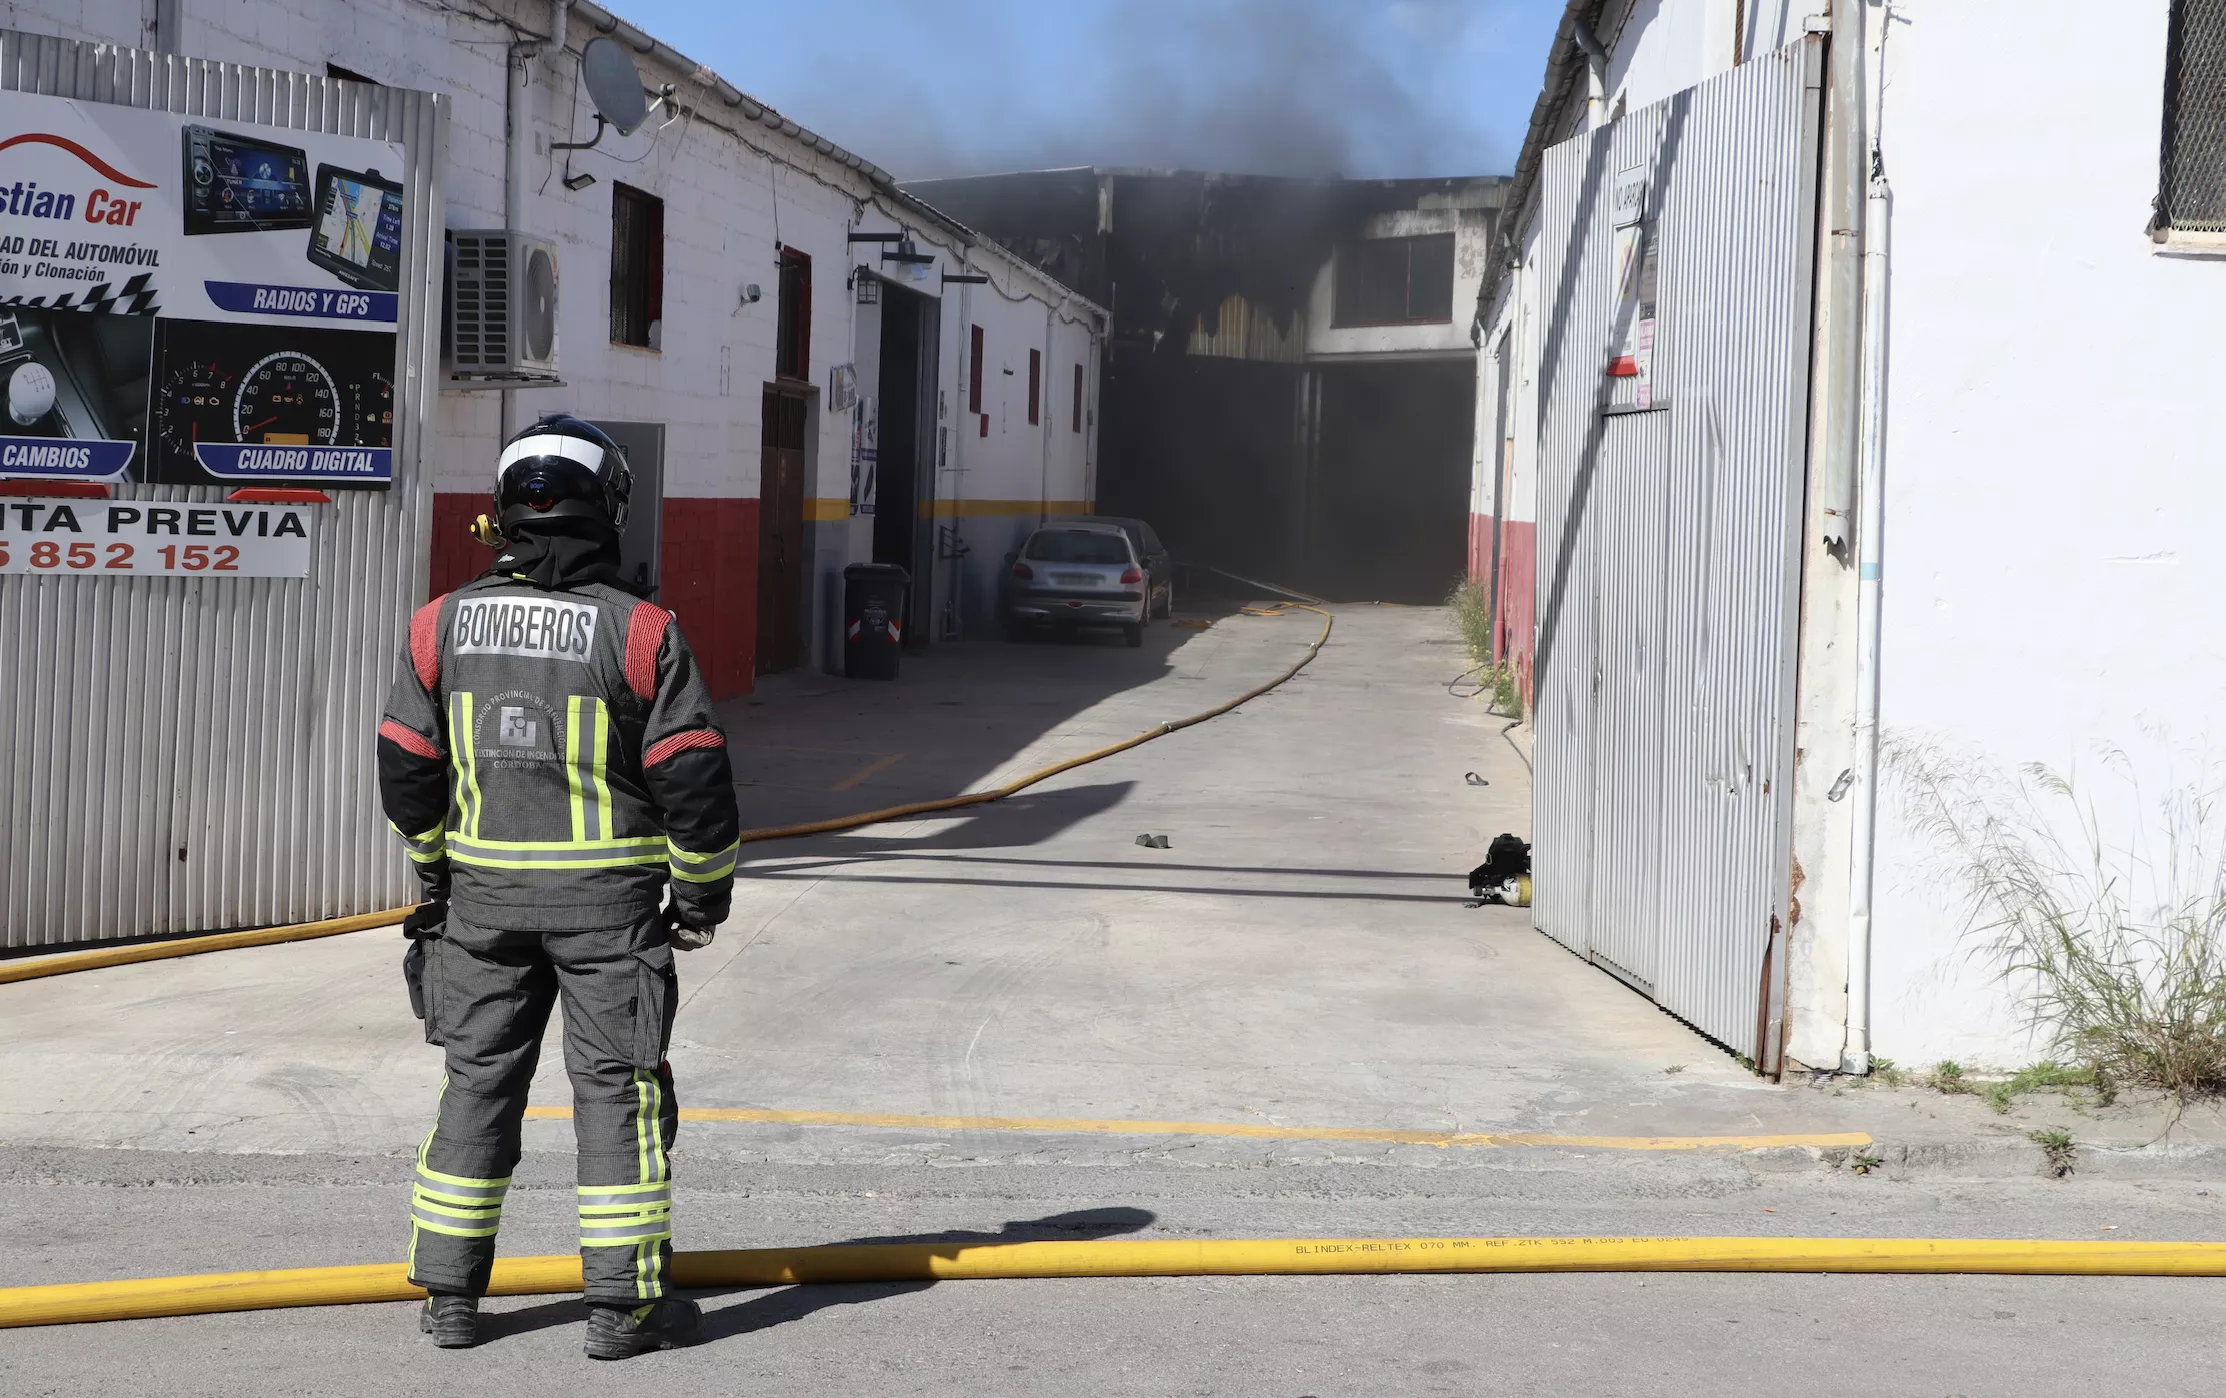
<point x="1023" y="572"/>
<point x="1133" y="575"/>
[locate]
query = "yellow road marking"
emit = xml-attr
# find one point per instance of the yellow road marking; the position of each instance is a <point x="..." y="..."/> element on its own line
<point x="868" y="772"/>
<point x="1245" y="1130"/>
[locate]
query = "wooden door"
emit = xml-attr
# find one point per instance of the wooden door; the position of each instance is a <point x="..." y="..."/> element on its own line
<point x="780" y="549"/>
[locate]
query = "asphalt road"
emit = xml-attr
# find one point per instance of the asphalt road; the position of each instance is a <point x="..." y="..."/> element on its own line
<point x="1298" y="962"/>
<point x="1659" y="1334"/>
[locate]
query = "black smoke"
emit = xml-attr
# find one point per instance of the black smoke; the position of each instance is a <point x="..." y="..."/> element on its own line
<point x="1362" y="88"/>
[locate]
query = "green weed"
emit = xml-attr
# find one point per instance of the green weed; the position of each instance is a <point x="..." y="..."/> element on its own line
<point x="1471" y="605"/>
<point x="2114" y="935"/>
<point x="2035" y="1077"/>
<point x="2056" y="1148"/>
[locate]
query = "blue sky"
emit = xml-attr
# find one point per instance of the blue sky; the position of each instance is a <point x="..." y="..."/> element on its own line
<point x="944" y="87"/>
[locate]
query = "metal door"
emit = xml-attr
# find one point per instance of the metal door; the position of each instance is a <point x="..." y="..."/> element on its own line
<point x="780" y="549"/>
<point x="1676" y="275"/>
<point x="640" y="544"/>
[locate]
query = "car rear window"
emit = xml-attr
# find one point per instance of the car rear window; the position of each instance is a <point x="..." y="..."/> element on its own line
<point x="1077" y="546"/>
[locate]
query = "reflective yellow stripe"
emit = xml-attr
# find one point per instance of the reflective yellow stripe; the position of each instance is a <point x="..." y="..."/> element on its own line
<point x="702" y="868"/>
<point x="464" y="740"/>
<point x="602" y="756"/>
<point x="572" y="776"/>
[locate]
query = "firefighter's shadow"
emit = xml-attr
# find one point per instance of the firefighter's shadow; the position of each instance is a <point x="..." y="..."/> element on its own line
<point x="769" y="1307"/>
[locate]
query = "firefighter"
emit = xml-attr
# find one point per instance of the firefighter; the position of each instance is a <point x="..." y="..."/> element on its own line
<point x="550" y="758"/>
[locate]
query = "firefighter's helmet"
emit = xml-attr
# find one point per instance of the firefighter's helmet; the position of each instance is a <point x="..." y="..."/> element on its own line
<point x="562" y="467"/>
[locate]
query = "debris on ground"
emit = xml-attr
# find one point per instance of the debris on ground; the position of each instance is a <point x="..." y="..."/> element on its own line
<point x="1504" y="876"/>
<point x="1152" y="841"/>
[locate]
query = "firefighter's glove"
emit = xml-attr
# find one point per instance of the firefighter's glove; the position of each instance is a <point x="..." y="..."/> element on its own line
<point x="426" y="920"/>
<point x="686" y="930"/>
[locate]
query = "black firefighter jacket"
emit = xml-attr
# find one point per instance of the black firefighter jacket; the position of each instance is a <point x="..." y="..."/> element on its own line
<point x="550" y="757"/>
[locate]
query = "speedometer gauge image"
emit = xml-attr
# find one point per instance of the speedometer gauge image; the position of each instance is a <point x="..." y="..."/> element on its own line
<point x="304" y="392"/>
<point x="286" y="399"/>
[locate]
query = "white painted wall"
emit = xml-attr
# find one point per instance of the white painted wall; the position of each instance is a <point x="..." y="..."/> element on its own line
<point x="2054" y="495"/>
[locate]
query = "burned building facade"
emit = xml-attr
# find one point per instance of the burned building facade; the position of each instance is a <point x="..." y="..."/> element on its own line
<point x="1289" y="387"/>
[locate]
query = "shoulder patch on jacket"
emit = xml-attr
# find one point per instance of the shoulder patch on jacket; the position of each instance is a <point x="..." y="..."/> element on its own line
<point x="645" y="636"/>
<point x="425" y="643"/>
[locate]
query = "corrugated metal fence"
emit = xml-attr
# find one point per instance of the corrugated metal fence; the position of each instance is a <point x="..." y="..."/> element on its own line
<point x="1668" y="564"/>
<point x="183" y="755"/>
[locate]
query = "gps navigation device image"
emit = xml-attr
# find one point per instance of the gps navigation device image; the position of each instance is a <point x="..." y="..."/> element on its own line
<point x="357" y="235"/>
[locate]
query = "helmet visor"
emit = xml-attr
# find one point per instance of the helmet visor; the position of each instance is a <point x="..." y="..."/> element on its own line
<point x="541" y="483"/>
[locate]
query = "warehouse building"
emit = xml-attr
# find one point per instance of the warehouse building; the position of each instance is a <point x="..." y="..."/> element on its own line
<point x="1289" y="382"/>
<point x="808" y="366"/>
<point x="1823" y="484"/>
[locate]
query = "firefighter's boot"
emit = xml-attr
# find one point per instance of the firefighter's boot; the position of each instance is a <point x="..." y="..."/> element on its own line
<point x="615" y="1332"/>
<point x="452" y="1321"/>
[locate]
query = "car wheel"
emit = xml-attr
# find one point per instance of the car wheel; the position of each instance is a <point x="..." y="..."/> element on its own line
<point x="1133" y="633"/>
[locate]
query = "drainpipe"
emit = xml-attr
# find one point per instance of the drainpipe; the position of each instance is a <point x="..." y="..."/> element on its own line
<point x="1843" y="205"/>
<point x="1596" y="67"/>
<point x="1855" y="1058"/>
<point x="518" y="144"/>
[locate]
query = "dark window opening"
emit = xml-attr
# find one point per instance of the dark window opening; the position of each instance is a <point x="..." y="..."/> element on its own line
<point x="974" y="371"/>
<point x="2192" y="184"/>
<point x="637" y="268"/>
<point x="792" y="354"/>
<point x="1035" y="387"/>
<point x="334" y="70"/>
<point x="1394" y="281"/>
<point x="1078" y="398"/>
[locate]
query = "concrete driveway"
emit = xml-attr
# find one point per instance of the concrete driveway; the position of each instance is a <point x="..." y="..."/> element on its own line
<point x="1016" y="1022"/>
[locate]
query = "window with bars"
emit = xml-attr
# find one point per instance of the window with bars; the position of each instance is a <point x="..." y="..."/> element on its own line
<point x="1394" y="281"/>
<point x="2191" y="193"/>
<point x="637" y="267"/>
<point x="1078" y="398"/>
<point x="1035" y="387"/>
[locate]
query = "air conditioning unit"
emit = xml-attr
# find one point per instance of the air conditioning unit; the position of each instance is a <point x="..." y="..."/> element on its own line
<point x="502" y="308"/>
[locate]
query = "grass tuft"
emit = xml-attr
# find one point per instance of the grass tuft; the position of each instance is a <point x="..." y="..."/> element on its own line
<point x="2056" y="1148"/>
<point x="1471" y="605"/>
<point x="2112" y="931"/>
<point x="2035" y="1077"/>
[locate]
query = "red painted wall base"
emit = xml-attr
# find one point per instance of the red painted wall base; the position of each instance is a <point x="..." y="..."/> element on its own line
<point x="708" y="576"/>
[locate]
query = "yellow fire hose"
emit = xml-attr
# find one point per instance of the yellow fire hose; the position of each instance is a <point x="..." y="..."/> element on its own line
<point x="303" y="931"/>
<point x="892" y="1262"/>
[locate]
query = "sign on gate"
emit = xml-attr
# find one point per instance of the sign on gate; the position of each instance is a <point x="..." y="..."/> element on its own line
<point x="111" y="538"/>
<point x="189" y="301"/>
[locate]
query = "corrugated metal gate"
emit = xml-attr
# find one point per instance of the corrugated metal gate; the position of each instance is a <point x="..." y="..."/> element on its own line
<point x="1679" y="241"/>
<point x="181" y="755"/>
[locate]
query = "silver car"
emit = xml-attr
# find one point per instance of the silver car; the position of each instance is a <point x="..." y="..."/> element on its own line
<point x="1076" y="575"/>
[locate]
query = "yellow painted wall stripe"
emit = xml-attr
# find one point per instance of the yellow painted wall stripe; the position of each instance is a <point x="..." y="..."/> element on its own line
<point x="1246" y="1131"/>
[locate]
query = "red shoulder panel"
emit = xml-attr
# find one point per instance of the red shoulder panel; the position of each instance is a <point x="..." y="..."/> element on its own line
<point x="408" y="739"/>
<point x="425" y="643"/>
<point x="645" y="636"/>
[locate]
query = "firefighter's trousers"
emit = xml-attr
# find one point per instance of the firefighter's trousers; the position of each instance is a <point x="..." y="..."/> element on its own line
<point x="487" y="996"/>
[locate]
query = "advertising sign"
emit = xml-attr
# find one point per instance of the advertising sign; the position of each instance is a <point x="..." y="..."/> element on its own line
<point x="111" y="538"/>
<point x="194" y="302"/>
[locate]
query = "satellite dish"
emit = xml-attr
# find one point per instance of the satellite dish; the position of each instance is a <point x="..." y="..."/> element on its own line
<point x="613" y="83"/>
